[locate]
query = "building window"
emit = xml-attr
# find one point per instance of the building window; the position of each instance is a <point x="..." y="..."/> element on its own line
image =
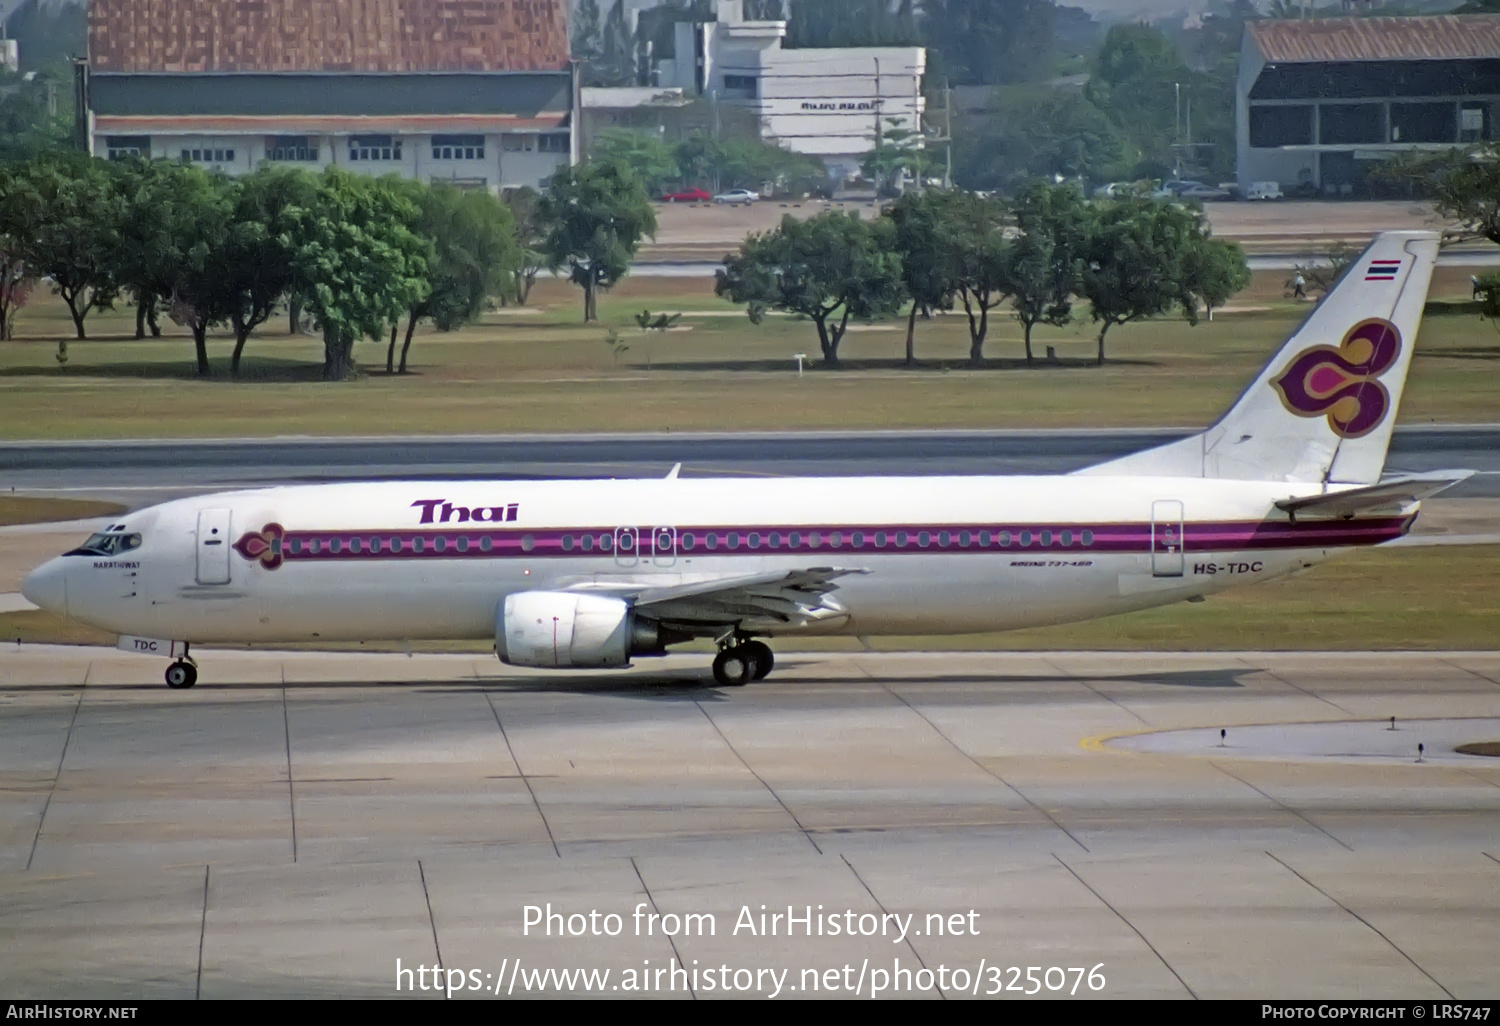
<point x="1424" y="122"/>
<point x="740" y="87"/>
<point x="458" y="147"/>
<point x="515" y="142"/>
<point x="210" y="155"/>
<point x="374" y="147"/>
<point x="302" y="148"/>
<point x="1351" y="123"/>
<point x="124" y="147"/>
<point x="1473" y="122"/>
<point x="1281" y="126"/>
<point x="555" y="142"/>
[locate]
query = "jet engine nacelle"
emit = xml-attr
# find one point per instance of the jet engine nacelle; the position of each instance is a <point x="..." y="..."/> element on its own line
<point x="561" y="629"/>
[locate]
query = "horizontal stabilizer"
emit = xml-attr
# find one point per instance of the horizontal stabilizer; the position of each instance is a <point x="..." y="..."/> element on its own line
<point x="1394" y="493"/>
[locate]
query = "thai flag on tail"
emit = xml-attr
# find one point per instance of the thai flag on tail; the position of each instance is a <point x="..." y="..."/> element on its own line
<point x="1382" y="270"/>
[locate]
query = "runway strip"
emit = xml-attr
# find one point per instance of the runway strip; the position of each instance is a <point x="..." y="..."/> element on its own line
<point x="299" y="821"/>
<point x="203" y="465"/>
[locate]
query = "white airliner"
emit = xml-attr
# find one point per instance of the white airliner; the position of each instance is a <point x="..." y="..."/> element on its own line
<point x="588" y="574"/>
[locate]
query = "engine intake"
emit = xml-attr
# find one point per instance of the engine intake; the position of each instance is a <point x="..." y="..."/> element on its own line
<point x="562" y="629"/>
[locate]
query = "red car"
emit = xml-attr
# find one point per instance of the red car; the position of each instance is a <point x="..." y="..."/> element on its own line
<point x="687" y="196"/>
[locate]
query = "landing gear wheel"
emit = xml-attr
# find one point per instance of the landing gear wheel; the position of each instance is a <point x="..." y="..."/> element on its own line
<point x="181" y="675"/>
<point x="763" y="656"/>
<point x="734" y="667"/>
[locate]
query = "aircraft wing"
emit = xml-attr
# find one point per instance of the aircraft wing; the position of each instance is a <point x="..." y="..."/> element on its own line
<point x="775" y="599"/>
<point x="1392" y="494"/>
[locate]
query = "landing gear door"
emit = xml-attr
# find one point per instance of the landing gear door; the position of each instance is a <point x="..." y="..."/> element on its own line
<point x="1166" y="538"/>
<point x="213" y="546"/>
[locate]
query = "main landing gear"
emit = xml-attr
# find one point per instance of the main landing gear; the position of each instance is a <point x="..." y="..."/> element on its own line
<point x="742" y="660"/>
<point x="182" y="674"/>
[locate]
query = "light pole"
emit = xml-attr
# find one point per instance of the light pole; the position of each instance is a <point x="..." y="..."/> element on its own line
<point x="1177" y="126"/>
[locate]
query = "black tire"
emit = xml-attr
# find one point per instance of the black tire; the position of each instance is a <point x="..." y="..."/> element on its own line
<point x="181" y="676"/>
<point x="763" y="656"/>
<point x="734" y="667"/>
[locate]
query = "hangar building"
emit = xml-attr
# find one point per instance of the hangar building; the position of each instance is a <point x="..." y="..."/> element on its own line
<point x="476" y="92"/>
<point x="1319" y="102"/>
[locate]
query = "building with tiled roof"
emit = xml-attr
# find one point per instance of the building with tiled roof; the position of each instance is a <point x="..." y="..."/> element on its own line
<point x="479" y="92"/>
<point x="1321" y="101"/>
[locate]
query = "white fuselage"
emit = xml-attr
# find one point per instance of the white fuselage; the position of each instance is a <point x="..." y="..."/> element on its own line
<point x="941" y="555"/>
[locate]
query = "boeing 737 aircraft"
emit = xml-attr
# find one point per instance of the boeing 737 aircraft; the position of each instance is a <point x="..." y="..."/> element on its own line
<point x="589" y="574"/>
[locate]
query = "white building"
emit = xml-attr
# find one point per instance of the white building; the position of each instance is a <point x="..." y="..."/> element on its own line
<point x="821" y="102"/>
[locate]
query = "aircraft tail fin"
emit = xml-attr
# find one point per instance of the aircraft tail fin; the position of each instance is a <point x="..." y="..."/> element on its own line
<point x="1323" y="409"/>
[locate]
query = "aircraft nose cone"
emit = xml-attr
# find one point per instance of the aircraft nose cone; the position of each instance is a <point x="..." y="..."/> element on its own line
<point x="47" y="587"/>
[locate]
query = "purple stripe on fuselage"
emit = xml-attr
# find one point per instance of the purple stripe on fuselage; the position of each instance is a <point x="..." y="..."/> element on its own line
<point x="451" y="543"/>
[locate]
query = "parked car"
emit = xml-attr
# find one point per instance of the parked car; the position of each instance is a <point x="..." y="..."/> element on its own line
<point x="687" y="196"/>
<point x="737" y="196"/>
<point x="1114" y="190"/>
<point x="1199" y="191"/>
<point x="1264" y="191"/>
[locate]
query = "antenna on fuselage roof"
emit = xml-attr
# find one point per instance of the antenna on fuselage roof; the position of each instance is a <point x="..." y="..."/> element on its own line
<point x="672" y="474"/>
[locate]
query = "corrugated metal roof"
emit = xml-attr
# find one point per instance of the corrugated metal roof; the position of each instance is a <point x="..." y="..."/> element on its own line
<point x="328" y="35"/>
<point x="1445" y="37"/>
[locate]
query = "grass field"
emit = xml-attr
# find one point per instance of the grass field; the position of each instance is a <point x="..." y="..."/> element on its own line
<point x="1445" y="597"/>
<point x="540" y="370"/>
<point x="21" y="510"/>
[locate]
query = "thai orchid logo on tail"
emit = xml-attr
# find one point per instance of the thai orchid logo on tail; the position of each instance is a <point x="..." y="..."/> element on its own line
<point x="1340" y="382"/>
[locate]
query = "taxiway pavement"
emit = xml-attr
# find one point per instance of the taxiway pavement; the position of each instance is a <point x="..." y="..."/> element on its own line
<point x="168" y="466"/>
<point x="300" y="821"/>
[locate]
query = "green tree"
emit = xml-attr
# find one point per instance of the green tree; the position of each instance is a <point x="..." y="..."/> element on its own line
<point x="357" y="265"/>
<point x="162" y="215"/>
<point x="1487" y="289"/>
<point x="596" y="215"/>
<point x="833" y="23"/>
<point x="36" y="115"/>
<point x="1464" y="184"/>
<point x="981" y="253"/>
<point x="588" y="25"/>
<point x="1141" y="83"/>
<point x="525" y="206"/>
<point x="1136" y="261"/>
<point x="924" y="224"/>
<point x="16" y="285"/>
<point x="650" y="156"/>
<point x="1037" y="132"/>
<point x="828" y="268"/>
<point x="196" y="266"/>
<point x="612" y="61"/>
<point x="739" y="163"/>
<point x="1213" y="272"/>
<point x="1044" y="260"/>
<point x="1132" y="81"/>
<point x="257" y="258"/>
<point x="474" y="253"/>
<point x="987" y="42"/>
<point x="898" y="150"/>
<point x="64" y="214"/>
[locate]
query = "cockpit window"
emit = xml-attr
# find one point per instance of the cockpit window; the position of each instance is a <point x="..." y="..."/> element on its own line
<point x="107" y="543"/>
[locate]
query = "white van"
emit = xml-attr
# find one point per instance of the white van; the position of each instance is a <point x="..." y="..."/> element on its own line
<point x="1264" y="191"/>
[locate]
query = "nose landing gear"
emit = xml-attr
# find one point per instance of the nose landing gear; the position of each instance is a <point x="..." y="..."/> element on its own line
<point x="741" y="660"/>
<point x="182" y="674"/>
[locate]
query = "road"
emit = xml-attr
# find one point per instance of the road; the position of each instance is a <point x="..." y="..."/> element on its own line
<point x="192" y="466"/>
<point x="649" y="268"/>
<point x="300" y="820"/>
